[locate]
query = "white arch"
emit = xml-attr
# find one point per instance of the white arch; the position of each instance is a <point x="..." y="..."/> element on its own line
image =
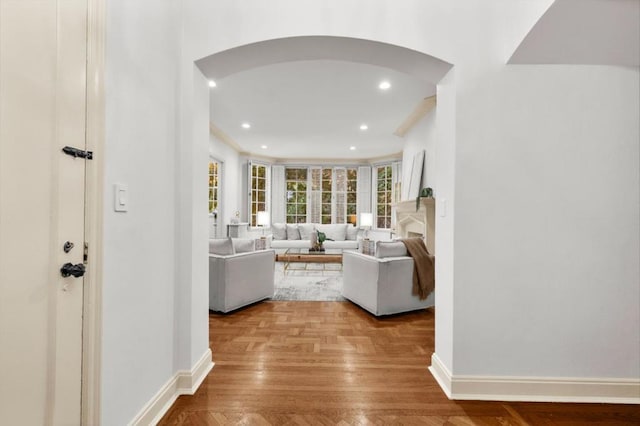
<point x="302" y="48"/>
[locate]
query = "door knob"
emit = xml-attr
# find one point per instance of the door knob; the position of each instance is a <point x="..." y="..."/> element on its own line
<point x="69" y="269"/>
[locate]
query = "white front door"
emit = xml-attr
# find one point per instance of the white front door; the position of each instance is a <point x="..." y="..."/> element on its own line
<point x="42" y="192"/>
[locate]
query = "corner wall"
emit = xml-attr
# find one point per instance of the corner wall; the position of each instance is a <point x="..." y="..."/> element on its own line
<point x="139" y="245"/>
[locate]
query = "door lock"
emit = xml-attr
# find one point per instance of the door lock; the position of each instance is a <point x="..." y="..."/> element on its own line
<point x="69" y="269"/>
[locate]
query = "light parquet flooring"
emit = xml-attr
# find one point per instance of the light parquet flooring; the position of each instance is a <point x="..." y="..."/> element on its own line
<point x="331" y="363"/>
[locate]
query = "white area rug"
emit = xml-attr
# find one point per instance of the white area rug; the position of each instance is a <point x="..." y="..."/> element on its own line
<point x="308" y="281"/>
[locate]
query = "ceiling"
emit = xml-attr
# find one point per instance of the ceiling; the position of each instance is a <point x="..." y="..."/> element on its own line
<point x="592" y="32"/>
<point x="313" y="109"/>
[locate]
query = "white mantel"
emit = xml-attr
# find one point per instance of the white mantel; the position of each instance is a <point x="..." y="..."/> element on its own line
<point x="412" y="223"/>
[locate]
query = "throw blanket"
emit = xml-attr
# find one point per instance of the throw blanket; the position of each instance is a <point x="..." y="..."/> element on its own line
<point x="424" y="280"/>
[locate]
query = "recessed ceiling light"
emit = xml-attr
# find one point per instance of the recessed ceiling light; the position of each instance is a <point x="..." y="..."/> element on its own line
<point x="246" y="125"/>
<point x="384" y="85"/>
<point x="352" y="148"/>
<point x="363" y="127"/>
<point x="263" y="146"/>
<point x="212" y="83"/>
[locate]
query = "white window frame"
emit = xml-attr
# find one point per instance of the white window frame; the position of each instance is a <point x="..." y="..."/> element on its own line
<point x="267" y="195"/>
<point x="395" y="167"/>
<point x="286" y="201"/>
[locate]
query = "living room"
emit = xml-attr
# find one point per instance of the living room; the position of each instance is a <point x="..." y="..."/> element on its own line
<point x="295" y="130"/>
<point x="536" y="130"/>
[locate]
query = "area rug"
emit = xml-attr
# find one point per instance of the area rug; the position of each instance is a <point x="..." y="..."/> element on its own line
<point x="308" y="281"/>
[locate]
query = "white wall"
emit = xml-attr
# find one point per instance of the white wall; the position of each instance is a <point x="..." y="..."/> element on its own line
<point x="547" y="228"/>
<point x="421" y="137"/>
<point x="139" y="245"/>
<point x="232" y="194"/>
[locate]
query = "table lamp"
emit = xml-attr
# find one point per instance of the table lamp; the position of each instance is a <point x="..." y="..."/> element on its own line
<point x="262" y="219"/>
<point x="366" y="222"/>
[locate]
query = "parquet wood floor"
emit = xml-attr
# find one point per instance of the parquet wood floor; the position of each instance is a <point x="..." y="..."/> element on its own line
<point x="331" y="363"/>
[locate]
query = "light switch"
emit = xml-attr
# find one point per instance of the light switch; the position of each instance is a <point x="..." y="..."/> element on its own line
<point x="121" y="192"/>
<point x="443" y="207"/>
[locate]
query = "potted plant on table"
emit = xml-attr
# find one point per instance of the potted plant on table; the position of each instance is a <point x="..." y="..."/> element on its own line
<point x="424" y="193"/>
<point x="321" y="237"/>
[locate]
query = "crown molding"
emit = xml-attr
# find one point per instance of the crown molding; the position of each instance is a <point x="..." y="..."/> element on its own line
<point x="420" y="111"/>
<point x="227" y="140"/>
<point x="224" y="138"/>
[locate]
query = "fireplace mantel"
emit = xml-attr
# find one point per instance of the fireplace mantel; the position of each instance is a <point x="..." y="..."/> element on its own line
<point x="422" y="223"/>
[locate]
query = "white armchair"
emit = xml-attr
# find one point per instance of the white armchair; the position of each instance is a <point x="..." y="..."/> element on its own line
<point x="382" y="286"/>
<point x="237" y="280"/>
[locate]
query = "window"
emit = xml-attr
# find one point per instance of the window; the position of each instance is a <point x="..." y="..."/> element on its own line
<point x="384" y="195"/>
<point x="259" y="187"/>
<point x="296" y="184"/>
<point x="321" y="194"/>
<point x="214" y="185"/>
<point x="352" y="195"/>
<point x="325" y="215"/>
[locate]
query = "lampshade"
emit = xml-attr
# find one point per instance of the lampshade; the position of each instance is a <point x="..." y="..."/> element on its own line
<point x="262" y="218"/>
<point x="366" y="219"/>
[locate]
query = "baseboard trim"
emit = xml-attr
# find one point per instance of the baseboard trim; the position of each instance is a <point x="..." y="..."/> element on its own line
<point x="183" y="382"/>
<point x="442" y="374"/>
<point x="535" y="389"/>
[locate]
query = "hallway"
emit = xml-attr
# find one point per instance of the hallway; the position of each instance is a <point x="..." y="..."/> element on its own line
<point x="328" y="363"/>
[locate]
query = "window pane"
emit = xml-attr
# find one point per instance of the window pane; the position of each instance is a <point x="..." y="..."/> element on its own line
<point x="351" y="197"/>
<point x="326" y="198"/>
<point x="262" y="184"/>
<point x="302" y="209"/>
<point x="326" y="209"/>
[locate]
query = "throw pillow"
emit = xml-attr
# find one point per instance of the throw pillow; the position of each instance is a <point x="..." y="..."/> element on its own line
<point x="335" y="232"/>
<point x="352" y="232"/>
<point x="292" y="232"/>
<point x="279" y="231"/>
<point x="305" y="230"/>
<point x="390" y="249"/>
<point x="243" y="245"/>
<point x="221" y="246"/>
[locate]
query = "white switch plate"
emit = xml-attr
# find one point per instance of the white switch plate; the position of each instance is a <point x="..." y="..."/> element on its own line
<point x="121" y="198"/>
<point x="443" y="207"/>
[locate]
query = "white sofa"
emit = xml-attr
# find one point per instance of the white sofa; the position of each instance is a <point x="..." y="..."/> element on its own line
<point x="381" y="285"/>
<point x="342" y="236"/>
<point x="237" y="279"/>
